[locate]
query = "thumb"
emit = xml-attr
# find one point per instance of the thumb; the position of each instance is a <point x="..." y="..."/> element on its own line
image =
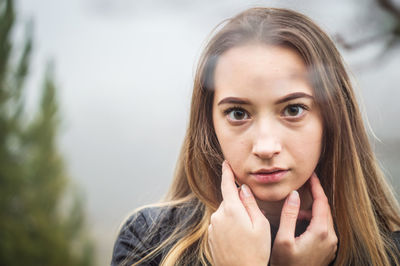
<point x="250" y="204"/>
<point x="290" y="211"/>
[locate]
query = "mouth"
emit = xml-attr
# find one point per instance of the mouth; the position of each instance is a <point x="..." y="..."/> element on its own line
<point x="271" y="175"/>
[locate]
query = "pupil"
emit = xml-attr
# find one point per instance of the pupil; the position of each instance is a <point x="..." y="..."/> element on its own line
<point x="293" y="110"/>
<point x="239" y="114"/>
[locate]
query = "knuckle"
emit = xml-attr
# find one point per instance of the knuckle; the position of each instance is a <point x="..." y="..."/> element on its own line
<point x="323" y="234"/>
<point x="262" y="225"/>
<point x="229" y="210"/>
<point x="290" y="214"/>
<point x="325" y="199"/>
<point x="335" y="249"/>
<point x="249" y="202"/>
<point x="335" y="240"/>
<point x="284" y="243"/>
<point x="265" y="224"/>
<point x="213" y="218"/>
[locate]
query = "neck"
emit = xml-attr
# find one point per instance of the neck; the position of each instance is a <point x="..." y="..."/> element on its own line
<point x="272" y="210"/>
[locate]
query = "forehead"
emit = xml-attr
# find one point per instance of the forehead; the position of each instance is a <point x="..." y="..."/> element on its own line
<point x="258" y="67"/>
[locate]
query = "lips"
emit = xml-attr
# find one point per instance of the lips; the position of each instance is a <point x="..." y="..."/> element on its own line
<point x="271" y="175"/>
<point x="268" y="171"/>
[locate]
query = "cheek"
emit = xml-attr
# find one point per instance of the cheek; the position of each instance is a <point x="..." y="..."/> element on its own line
<point x="307" y="150"/>
<point x="235" y="149"/>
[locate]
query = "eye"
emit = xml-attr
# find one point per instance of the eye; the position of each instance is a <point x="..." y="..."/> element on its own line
<point x="236" y="114"/>
<point x="294" y="110"/>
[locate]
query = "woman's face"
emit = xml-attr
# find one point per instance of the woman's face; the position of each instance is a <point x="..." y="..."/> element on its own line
<point x="265" y="118"/>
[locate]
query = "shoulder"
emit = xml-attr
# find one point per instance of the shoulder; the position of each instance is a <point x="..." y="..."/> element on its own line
<point x="396" y="238"/>
<point x="143" y="231"/>
<point x="140" y="234"/>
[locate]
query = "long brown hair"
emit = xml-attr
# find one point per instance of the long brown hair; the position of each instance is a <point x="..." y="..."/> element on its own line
<point x="364" y="209"/>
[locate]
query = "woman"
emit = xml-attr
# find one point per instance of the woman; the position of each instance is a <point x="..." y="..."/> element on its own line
<point x="276" y="166"/>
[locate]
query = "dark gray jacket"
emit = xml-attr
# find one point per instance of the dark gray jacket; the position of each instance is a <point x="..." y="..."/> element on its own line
<point x="137" y="237"/>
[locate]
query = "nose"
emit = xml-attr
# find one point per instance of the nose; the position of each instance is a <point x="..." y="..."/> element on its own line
<point x="266" y="143"/>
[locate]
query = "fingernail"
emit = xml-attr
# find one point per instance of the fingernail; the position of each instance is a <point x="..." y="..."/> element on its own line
<point x="294" y="198"/>
<point x="246" y="190"/>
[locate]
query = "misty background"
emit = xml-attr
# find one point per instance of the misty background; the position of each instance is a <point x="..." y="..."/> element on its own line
<point x="124" y="72"/>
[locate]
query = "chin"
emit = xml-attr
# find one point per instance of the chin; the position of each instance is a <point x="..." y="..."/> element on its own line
<point x="270" y="195"/>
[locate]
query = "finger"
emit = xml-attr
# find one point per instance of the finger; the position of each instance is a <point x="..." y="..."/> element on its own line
<point x="228" y="187"/>
<point x="251" y="205"/>
<point x="316" y="189"/>
<point x="290" y="211"/>
<point x="320" y="207"/>
<point x="321" y="221"/>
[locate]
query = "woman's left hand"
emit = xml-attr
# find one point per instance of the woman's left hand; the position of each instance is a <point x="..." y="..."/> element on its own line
<point x="318" y="244"/>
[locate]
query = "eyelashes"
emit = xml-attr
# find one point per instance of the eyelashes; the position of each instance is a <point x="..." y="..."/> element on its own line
<point x="291" y="112"/>
<point x="295" y="110"/>
<point x="236" y="113"/>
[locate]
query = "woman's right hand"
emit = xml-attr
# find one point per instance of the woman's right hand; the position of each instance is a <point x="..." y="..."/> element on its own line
<point x="318" y="244"/>
<point x="238" y="234"/>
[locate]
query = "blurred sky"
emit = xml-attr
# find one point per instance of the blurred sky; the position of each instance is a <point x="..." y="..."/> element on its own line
<point x="124" y="70"/>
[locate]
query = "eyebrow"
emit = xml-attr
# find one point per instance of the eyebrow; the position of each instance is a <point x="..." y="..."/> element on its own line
<point x="234" y="100"/>
<point x="289" y="97"/>
<point x="293" y="96"/>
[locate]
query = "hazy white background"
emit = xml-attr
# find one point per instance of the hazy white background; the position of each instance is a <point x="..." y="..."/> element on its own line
<point x="124" y="69"/>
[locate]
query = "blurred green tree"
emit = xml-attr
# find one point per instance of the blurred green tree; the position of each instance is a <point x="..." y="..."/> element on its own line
<point x="41" y="213"/>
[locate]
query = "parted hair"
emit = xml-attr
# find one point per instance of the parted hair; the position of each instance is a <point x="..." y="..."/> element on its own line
<point x="363" y="206"/>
